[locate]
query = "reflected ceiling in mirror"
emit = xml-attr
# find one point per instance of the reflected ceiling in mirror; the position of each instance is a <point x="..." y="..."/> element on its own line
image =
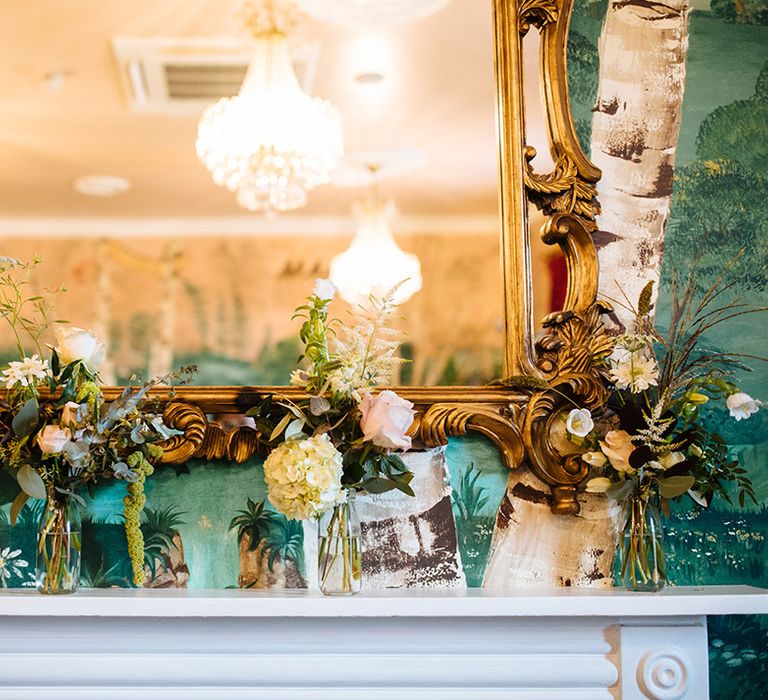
<point x="166" y="266"/>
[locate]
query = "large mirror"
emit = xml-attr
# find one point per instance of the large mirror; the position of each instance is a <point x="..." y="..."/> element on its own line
<point x="183" y="238"/>
<point x="100" y="127"/>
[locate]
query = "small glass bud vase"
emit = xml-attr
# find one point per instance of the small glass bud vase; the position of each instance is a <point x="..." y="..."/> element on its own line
<point x="339" y="550"/>
<point x="641" y="545"/>
<point x="57" y="566"/>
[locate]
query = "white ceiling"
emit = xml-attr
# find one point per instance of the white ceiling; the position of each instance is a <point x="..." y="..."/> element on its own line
<point x="437" y="96"/>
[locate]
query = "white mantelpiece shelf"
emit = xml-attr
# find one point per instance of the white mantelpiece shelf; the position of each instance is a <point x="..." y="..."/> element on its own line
<point x="564" y="644"/>
<point x="558" y="602"/>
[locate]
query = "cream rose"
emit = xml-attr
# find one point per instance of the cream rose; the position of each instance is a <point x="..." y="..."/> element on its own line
<point x="52" y="439"/>
<point x="74" y="344"/>
<point x="617" y="447"/>
<point x="386" y="419"/>
<point x="741" y="406"/>
<point x="579" y="422"/>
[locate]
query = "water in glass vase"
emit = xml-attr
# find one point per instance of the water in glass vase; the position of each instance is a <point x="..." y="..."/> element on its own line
<point x="339" y="551"/>
<point x="641" y="558"/>
<point x="57" y="566"/>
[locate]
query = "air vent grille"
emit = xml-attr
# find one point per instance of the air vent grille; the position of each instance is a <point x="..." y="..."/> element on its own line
<point x="197" y="81"/>
<point x="183" y="76"/>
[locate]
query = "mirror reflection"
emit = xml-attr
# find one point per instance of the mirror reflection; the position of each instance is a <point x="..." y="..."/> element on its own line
<point x="188" y="169"/>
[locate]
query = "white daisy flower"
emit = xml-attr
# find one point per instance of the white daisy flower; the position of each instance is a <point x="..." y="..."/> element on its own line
<point x="26" y="373"/>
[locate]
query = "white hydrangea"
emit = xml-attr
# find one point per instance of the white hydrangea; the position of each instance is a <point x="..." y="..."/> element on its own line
<point x="304" y="477"/>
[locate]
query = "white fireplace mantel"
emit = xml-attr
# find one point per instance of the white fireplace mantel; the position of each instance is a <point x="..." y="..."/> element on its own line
<point x="563" y="644"/>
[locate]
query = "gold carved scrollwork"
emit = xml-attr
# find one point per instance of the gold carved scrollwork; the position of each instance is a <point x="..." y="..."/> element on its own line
<point x="440" y="421"/>
<point x="536" y="13"/>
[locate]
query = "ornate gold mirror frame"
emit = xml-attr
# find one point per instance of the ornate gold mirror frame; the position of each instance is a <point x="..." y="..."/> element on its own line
<point x="542" y="377"/>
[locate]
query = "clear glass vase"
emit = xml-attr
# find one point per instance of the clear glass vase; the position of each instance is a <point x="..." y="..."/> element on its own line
<point x="57" y="565"/>
<point x="641" y="562"/>
<point x="339" y="550"/>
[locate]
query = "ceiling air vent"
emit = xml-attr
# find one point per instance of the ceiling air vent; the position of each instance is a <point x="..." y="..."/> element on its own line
<point x="183" y="76"/>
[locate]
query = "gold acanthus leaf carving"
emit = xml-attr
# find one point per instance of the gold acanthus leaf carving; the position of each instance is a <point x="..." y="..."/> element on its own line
<point x="562" y="190"/>
<point x="572" y="355"/>
<point x="537" y="13"/>
<point x="440" y="421"/>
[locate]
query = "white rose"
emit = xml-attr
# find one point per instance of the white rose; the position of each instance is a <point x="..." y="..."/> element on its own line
<point x="324" y="289"/>
<point x="741" y="405"/>
<point x="52" y="439"/>
<point x="579" y="422"/>
<point x="74" y="344"/>
<point x="386" y="419"/>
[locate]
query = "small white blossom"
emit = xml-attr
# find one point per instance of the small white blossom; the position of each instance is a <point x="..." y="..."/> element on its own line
<point x="599" y="484"/>
<point x="324" y="289"/>
<point x="741" y="405"/>
<point x="26" y="373"/>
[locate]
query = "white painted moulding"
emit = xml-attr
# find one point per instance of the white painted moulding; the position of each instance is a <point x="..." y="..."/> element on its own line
<point x="675" y="601"/>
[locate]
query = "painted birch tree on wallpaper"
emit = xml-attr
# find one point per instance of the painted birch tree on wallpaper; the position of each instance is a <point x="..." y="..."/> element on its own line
<point x="635" y="129"/>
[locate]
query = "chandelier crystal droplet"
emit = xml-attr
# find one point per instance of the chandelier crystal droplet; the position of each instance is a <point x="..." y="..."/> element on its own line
<point x="271" y="143"/>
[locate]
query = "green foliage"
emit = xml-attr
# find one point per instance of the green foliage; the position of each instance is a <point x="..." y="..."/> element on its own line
<point x="279" y="537"/>
<point x="159" y="528"/>
<point x="737" y="132"/>
<point x="738" y="657"/>
<point x="469" y="499"/>
<point x="741" y="11"/>
<point x="253" y="523"/>
<point x="719" y="208"/>
<point x="761" y="86"/>
<point x="583" y="68"/>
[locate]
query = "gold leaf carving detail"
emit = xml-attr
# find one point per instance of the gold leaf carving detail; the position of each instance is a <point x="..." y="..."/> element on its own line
<point x="537" y="13"/>
<point x="562" y="190"/>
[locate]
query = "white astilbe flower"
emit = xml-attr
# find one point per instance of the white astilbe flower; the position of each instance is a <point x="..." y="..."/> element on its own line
<point x="26" y="373"/>
<point x="304" y="477"/>
<point x="366" y="352"/>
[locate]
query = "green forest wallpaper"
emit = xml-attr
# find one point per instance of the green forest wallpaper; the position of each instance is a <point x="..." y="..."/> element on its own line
<point x="208" y="525"/>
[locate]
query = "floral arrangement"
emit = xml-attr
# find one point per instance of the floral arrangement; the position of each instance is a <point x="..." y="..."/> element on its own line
<point x="338" y="439"/>
<point x="652" y="446"/>
<point x="58" y="434"/>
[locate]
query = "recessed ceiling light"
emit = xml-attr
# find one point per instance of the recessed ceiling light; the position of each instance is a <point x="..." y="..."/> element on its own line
<point x="101" y="185"/>
<point x="369" y="78"/>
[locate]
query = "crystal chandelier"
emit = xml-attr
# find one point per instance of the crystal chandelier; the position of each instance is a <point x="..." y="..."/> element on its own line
<point x="271" y="143"/>
<point x="374" y="263"/>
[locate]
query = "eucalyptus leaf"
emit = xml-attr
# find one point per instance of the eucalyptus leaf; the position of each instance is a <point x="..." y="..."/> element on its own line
<point x="675" y="486"/>
<point x="27" y="419"/>
<point x="294" y="429"/>
<point x="282" y="425"/>
<point x="378" y="485"/>
<point x="31" y="482"/>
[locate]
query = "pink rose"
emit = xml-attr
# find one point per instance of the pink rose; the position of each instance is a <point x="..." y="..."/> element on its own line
<point x="386" y="419"/>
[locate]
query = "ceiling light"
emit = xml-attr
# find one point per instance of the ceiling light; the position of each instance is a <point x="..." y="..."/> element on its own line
<point x="369" y="14"/>
<point x="374" y="263"/>
<point x="101" y="185"/>
<point x="272" y="143"/>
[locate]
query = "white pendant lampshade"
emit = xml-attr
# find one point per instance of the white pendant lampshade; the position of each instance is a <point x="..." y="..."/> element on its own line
<point x="370" y="14"/>
<point x="272" y="143"/>
<point x="374" y="263"/>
